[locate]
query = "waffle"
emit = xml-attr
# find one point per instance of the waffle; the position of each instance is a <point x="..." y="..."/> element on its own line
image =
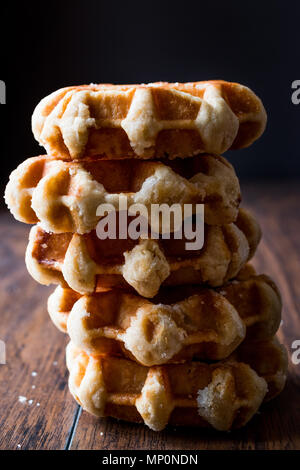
<point x="269" y="359"/>
<point x="148" y="121"/>
<point x="64" y="196"/>
<point x="87" y="264"/>
<point x="182" y="323"/>
<point x="223" y="395"/>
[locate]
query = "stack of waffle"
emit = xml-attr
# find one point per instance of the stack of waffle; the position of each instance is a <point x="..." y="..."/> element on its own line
<point x="159" y="334"/>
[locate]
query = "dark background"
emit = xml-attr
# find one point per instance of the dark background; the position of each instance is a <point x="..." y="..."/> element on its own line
<point x="45" y="46"/>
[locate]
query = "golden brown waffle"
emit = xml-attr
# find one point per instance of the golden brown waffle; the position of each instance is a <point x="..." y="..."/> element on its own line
<point x="269" y="359"/>
<point x="64" y="196"/>
<point x="87" y="264"/>
<point x="181" y="323"/>
<point x="257" y="300"/>
<point x="224" y="395"/>
<point x="148" y="121"/>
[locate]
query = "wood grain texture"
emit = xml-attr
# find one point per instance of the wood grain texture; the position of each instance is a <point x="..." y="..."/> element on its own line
<point x="33" y="344"/>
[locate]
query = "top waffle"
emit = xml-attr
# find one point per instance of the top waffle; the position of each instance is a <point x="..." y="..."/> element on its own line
<point x="148" y="121"/>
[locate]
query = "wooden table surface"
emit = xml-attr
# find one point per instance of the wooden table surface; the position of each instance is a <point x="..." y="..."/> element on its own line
<point x="35" y="367"/>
